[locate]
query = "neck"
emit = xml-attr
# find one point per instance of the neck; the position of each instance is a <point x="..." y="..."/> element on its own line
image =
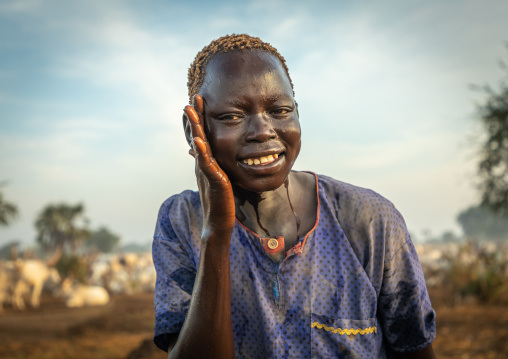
<point x="269" y="213"/>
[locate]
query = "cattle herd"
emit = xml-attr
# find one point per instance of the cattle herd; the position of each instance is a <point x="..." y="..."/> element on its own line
<point x="22" y="281"/>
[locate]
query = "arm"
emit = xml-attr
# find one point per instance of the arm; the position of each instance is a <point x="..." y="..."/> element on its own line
<point x="207" y="331"/>
<point x="171" y="343"/>
<point x="427" y="353"/>
<point x="406" y="313"/>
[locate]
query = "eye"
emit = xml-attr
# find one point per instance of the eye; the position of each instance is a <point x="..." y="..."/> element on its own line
<point x="229" y="117"/>
<point x="281" y="111"/>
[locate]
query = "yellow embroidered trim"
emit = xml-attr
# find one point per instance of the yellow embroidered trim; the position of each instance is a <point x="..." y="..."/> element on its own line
<point x="345" y="331"/>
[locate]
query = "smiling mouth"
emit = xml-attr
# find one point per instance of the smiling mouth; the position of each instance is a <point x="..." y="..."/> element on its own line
<point x="260" y="161"/>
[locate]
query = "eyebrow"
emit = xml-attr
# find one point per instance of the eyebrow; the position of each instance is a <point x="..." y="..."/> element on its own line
<point x="277" y="97"/>
<point x="238" y="103"/>
<point x="273" y="98"/>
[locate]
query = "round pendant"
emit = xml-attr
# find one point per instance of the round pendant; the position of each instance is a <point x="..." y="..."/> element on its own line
<point x="272" y="243"/>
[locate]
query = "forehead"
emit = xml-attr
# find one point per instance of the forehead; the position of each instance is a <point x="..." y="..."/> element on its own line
<point x="245" y="72"/>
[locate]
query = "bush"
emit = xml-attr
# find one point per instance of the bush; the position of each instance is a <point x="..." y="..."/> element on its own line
<point x="479" y="271"/>
<point x="72" y="266"/>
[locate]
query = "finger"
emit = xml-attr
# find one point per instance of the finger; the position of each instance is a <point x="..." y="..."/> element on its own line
<point x="195" y="122"/>
<point x="191" y="115"/>
<point x="205" y="162"/>
<point x="196" y="119"/>
<point x="202" y="157"/>
<point x="199" y="147"/>
<point x="198" y="104"/>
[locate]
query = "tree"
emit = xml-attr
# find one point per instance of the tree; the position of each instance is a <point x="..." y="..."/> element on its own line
<point x="103" y="240"/>
<point x="10" y="249"/>
<point x="58" y="229"/>
<point x="8" y="211"/>
<point x="493" y="164"/>
<point x="479" y="223"/>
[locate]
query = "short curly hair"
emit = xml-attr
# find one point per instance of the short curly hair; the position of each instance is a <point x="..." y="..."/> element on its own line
<point x="241" y="42"/>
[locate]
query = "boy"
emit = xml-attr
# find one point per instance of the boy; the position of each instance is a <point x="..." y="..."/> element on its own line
<point x="266" y="262"/>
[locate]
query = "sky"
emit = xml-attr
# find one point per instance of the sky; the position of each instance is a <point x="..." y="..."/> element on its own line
<point x="91" y="99"/>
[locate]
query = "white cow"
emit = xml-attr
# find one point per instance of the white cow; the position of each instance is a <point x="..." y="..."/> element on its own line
<point x="80" y="295"/>
<point x="31" y="275"/>
<point x="126" y="273"/>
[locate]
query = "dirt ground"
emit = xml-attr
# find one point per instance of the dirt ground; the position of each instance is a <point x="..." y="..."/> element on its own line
<point x="57" y="332"/>
<point x="123" y="330"/>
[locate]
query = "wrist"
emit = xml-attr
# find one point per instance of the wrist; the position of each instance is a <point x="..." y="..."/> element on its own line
<point x="216" y="238"/>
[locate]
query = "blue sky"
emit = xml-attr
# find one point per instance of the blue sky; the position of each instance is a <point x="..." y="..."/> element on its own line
<point x="91" y="95"/>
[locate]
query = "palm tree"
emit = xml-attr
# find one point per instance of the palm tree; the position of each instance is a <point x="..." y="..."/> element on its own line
<point x="57" y="227"/>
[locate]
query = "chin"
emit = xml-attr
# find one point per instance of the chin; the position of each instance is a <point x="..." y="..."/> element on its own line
<point x="260" y="185"/>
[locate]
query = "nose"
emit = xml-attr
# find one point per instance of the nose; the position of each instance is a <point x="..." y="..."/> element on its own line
<point x="260" y="128"/>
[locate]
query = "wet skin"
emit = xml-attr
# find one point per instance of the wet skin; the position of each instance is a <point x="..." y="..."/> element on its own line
<point x="251" y="114"/>
<point x="245" y="109"/>
<point x="247" y="112"/>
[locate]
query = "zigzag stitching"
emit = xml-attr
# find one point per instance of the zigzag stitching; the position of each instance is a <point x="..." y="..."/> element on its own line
<point x="344" y="331"/>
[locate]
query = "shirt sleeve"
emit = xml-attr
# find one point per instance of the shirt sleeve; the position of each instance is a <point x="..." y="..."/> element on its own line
<point x="378" y="234"/>
<point x="176" y="270"/>
<point x="404" y="306"/>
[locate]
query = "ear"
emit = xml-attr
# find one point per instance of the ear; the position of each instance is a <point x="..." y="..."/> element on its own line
<point x="187" y="129"/>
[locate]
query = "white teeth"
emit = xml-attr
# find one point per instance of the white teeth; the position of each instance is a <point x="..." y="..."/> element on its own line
<point x="261" y="160"/>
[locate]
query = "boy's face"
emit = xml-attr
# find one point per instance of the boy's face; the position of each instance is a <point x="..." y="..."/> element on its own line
<point x="251" y="118"/>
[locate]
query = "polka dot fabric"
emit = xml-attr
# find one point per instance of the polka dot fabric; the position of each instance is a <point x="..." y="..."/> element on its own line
<point x="352" y="288"/>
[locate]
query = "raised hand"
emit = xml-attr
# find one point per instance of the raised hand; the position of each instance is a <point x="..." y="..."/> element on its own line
<point x="210" y="305"/>
<point x="215" y="188"/>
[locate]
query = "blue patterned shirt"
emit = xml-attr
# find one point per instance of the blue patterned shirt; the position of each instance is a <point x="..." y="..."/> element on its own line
<point x="351" y="288"/>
